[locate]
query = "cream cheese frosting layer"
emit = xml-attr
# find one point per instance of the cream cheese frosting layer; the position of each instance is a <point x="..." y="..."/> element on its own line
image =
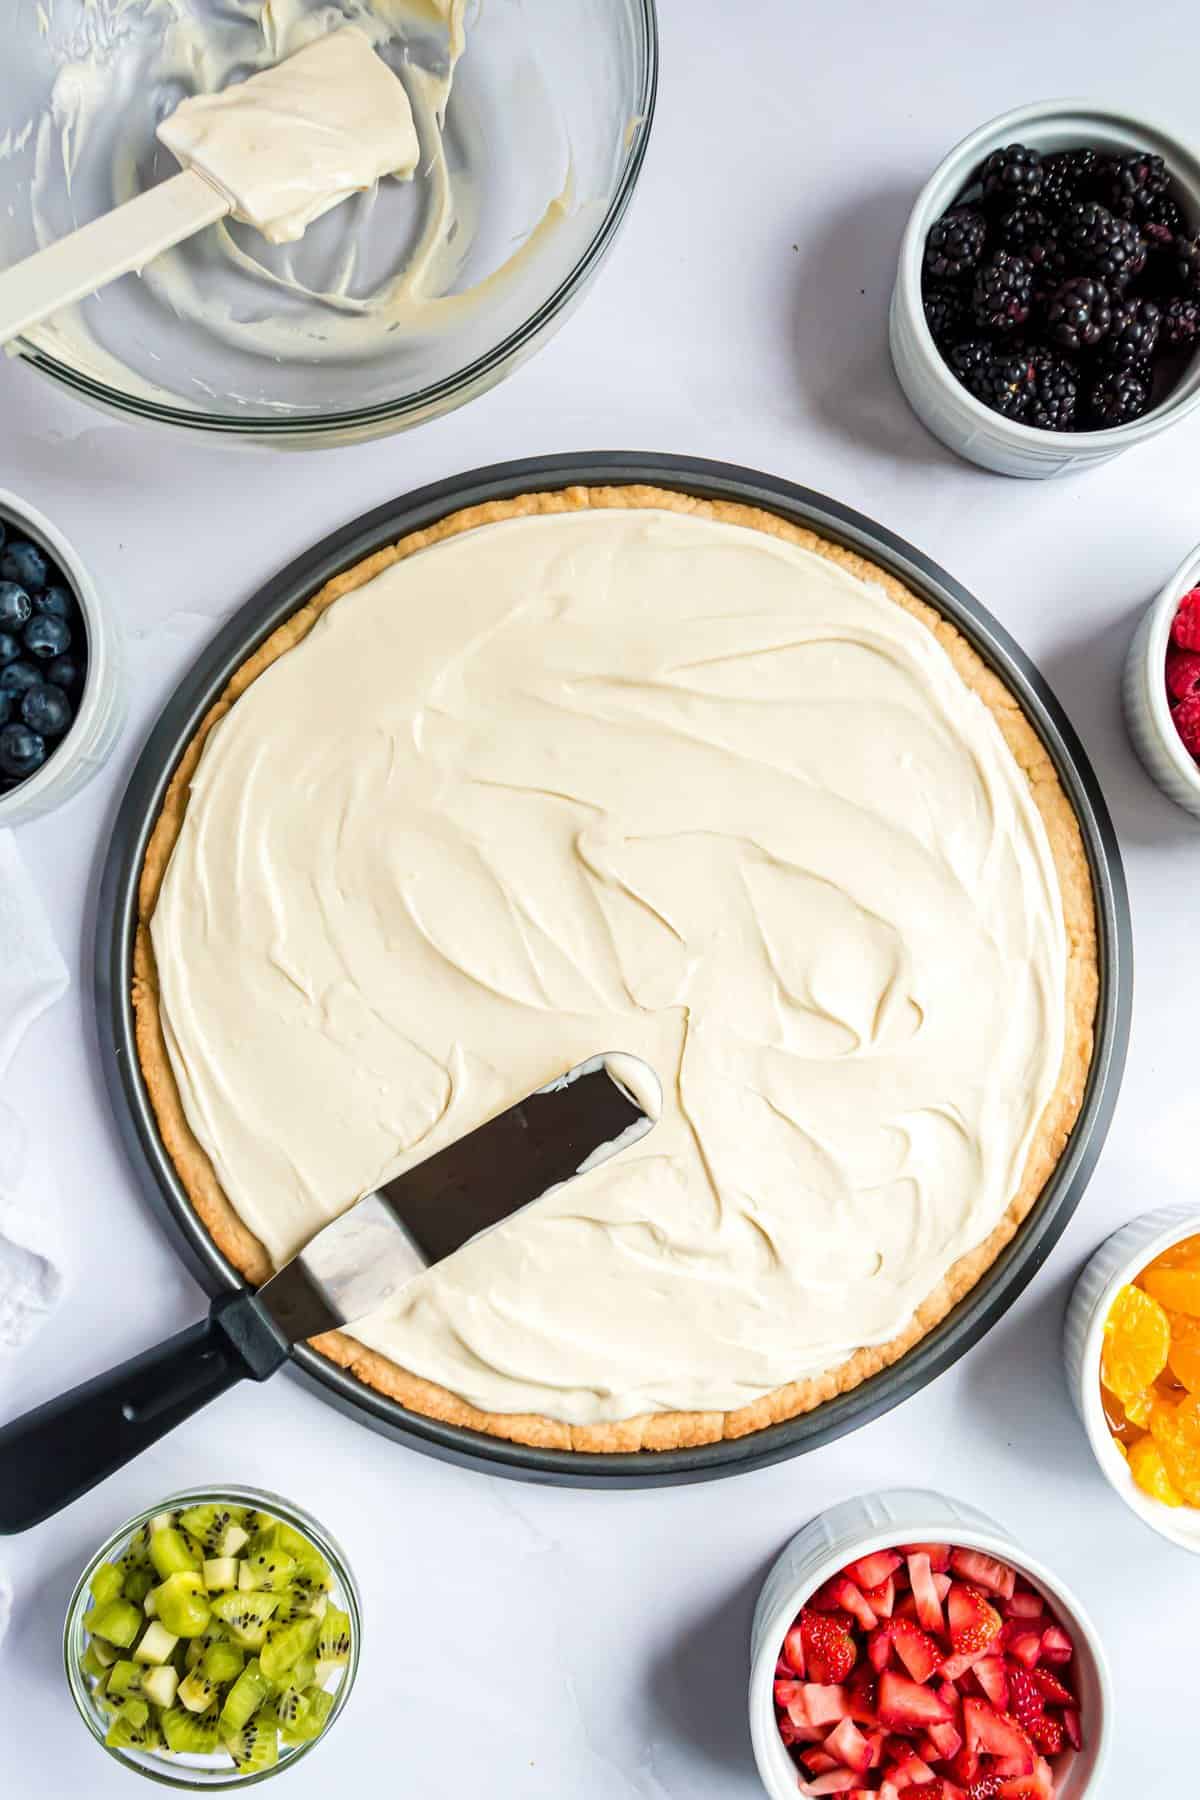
<point x="627" y="781"/>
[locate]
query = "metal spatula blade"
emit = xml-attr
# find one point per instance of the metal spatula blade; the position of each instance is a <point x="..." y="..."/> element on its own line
<point x="363" y="1259"/>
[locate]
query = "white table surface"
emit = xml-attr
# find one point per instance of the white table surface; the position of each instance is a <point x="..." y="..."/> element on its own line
<point x="534" y="1642"/>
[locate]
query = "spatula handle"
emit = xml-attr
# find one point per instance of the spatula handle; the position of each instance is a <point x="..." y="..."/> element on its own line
<point x="127" y="238"/>
<point x="57" y="1452"/>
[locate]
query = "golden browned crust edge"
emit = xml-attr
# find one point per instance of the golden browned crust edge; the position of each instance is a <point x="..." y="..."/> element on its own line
<point x="651" y="1431"/>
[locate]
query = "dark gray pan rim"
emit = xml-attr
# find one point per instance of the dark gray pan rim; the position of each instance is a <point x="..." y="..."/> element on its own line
<point x="117" y="912"/>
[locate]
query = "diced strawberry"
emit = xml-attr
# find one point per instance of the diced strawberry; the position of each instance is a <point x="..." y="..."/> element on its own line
<point x="793" y="1651"/>
<point x="1024" y="1604"/>
<point x="938" y="1554"/>
<point x="973" y="1623"/>
<point x="819" y="1762"/>
<point x="1072" y="1727"/>
<point x="825" y="1704"/>
<point x="965" y="1765"/>
<point x="829" y="1649"/>
<point x="955" y="1667"/>
<point x="1026" y="1646"/>
<point x="986" y="1787"/>
<point x="946" y="1740"/>
<point x="1185" y="630"/>
<point x="803" y="1729"/>
<point x="996" y="1734"/>
<point x="851" y="1599"/>
<point x="911" y="1772"/>
<point x="916" y="1649"/>
<point x="879" y="1644"/>
<point x="985" y="1571"/>
<point x="929" y="1607"/>
<point x="906" y="1705"/>
<point x="947" y="1790"/>
<point x="1037" y="1785"/>
<point x="1052" y="1688"/>
<point x="942" y="1583"/>
<point x="849" y="1745"/>
<point x="787" y="1730"/>
<point x="888" y="1791"/>
<point x="787" y="1691"/>
<point x="837" y="1781"/>
<point x="1024" y="1696"/>
<point x="1048" y="1734"/>
<point x="875" y="1740"/>
<point x="989" y="1673"/>
<point x="881" y="1599"/>
<point x="861" y="1697"/>
<point x="1057" y="1646"/>
<point x="869" y="1571"/>
<point x="825" y="1599"/>
<point x="949" y="1694"/>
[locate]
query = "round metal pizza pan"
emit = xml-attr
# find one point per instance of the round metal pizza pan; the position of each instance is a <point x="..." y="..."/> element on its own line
<point x="117" y="912"/>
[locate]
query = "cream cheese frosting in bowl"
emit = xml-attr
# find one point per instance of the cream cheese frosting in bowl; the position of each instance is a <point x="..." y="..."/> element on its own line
<point x="628" y="780"/>
<point x="531" y="118"/>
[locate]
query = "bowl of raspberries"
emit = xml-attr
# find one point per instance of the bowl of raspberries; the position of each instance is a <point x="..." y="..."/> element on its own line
<point x="1162" y="687"/>
<point x="60" y="691"/>
<point x="1046" y="314"/>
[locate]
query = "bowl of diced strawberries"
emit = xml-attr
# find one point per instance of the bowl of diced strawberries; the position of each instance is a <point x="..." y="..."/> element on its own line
<point x="905" y="1647"/>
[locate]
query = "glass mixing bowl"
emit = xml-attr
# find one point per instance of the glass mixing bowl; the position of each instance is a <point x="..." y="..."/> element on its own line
<point x="398" y="305"/>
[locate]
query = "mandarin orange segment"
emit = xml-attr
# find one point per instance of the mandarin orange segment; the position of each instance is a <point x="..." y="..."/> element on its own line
<point x="1176" y="1289"/>
<point x="1137" y="1337"/>
<point x="1183" y="1255"/>
<point x="1149" y="1471"/>
<point x="1183" y="1358"/>
<point x="1138" y="1407"/>
<point x="1175" y="1428"/>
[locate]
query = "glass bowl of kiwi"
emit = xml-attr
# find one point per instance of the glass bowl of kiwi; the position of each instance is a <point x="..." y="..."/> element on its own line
<point x="214" y="1639"/>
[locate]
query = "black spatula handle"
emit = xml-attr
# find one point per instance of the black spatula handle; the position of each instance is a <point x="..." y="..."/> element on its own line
<point x="61" y="1449"/>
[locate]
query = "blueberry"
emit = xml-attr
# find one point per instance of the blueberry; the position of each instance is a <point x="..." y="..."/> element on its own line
<point x="64" y="672"/>
<point x="18" y="677"/>
<point x="15" y="605"/>
<point x="21" y="751"/>
<point x="46" y="636"/>
<point x="56" y="601"/>
<point x="24" y="563"/>
<point x="7" y="704"/>
<point x="46" y="710"/>
<point x="10" y="648"/>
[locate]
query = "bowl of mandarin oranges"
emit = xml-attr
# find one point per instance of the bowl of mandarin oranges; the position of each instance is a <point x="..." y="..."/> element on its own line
<point x="1133" y="1357"/>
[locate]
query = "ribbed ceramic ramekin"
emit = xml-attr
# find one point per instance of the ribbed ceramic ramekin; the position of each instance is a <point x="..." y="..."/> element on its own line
<point x="870" y="1522"/>
<point x="1118" y="1260"/>
<point x="1147" y="712"/>
<point x="963" y="423"/>
<point x="93" y="732"/>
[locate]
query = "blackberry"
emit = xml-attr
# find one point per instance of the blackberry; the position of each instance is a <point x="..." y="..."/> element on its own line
<point x="1006" y="381"/>
<point x="967" y="358"/>
<point x="1128" y="184"/>
<point x="1133" y="334"/>
<point x="1118" y="396"/>
<point x="947" y="313"/>
<point x="1180" y="328"/>
<point x="1186" y="254"/>
<point x="1003" y="292"/>
<point x="1068" y="176"/>
<point x="1099" y="244"/>
<point x="1161" y="277"/>
<point x="1079" y="313"/>
<point x="1009" y="175"/>
<point x="1162" y="210"/>
<point x="955" y="243"/>
<point x="1027" y="229"/>
<point x="1055" y="397"/>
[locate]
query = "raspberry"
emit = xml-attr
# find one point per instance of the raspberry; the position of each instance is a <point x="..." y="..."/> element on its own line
<point x="1183" y="673"/>
<point x="1187" y="723"/>
<point x="1185" y="632"/>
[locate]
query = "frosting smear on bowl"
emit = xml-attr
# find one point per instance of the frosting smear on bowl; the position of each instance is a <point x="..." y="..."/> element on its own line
<point x="634" y="778"/>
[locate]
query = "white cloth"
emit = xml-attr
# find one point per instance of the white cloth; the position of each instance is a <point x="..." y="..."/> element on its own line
<point x="32" y="977"/>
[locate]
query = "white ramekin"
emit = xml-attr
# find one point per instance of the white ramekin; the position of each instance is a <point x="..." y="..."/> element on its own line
<point x="1118" y="1260"/>
<point x="1147" y="712"/>
<point x="906" y="1516"/>
<point x="963" y="423"/>
<point x="97" y="723"/>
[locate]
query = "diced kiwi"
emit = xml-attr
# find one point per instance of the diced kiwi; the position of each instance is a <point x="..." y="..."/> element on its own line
<point x="333" y="1638"/>
<point x="222" y="1663"/>
<point x="286" y="1706"/>
<point x="216" y="1632"/>
<point x="98" y="1658"/>
<point x="156" y="1644"/>
<point x="311" y="1566"/>
<point x="182" y="1604"/>
<point x="107" y="1583"/>
<point x="159" y="1684"/>
<point x="119" y="1621"/>
<point x="220" y="1573"/>
<point x="246" y="1615"/>
<point x="255" y="1746"/>
<point x="191" y="1734"/>
<point x="313" y="1719"/>
<point x="244" y="1698"/>
<point x="137" y="1551"/>
<point x="171" y="1553"/>
<point x="124" y="1677"/>
<point x="138" y="1583"/>
<point x="197" y="1692"/>
<point x="162" y="1521"/>
<point x="286" y="1644"/>
<point x="123" y="1734"/>
<point x="207" y="1524"/>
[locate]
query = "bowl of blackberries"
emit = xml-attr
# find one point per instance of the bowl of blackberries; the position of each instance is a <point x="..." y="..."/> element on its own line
<point x="59" y="689"/>
<point x="1047" y="309"/>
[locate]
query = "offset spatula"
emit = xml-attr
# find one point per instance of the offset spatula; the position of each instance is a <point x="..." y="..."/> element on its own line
<point x="350" y="1269"/>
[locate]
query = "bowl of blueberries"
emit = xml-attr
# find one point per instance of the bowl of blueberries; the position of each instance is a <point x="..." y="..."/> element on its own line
<point x="60" y="689"/>
<point x="1046" y="313"/>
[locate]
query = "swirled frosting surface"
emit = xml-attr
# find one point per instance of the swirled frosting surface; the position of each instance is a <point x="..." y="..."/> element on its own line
<point x="623" y="780"/>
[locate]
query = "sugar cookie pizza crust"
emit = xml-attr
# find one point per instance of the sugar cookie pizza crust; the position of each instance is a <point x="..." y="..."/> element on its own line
<point x="662" y="1430"/>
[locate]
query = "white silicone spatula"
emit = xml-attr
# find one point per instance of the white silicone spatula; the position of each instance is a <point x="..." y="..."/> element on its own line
<point x="275" y="151"/>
